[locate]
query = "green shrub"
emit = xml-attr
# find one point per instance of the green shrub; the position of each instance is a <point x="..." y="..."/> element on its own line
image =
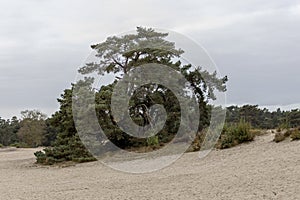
<point x="152" y="141"/>
<point x="287" y="133"/>
<point x="84" y="159"/>
<point x="40" y="157"/>
<point x="279" y="137"/>
<point x="73" y="151"/>
<point x="50" y="157"/>
<point x="295" y="135"/>
<point x="227" y="141"/>
<point x="1" y="145"/>
<point x="242" y="132"/>
<point x="235" y="134"/>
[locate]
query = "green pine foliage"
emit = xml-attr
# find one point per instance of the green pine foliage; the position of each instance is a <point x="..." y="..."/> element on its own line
<point x="68" y="146"/>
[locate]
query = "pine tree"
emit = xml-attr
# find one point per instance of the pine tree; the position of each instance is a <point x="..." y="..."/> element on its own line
<point x="121" y="55"/>
<point x="68" y="146"/>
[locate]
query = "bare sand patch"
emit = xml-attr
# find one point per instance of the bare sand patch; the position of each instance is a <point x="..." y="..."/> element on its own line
<point x="258" y="170"/>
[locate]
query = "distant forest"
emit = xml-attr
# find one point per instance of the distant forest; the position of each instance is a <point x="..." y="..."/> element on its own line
<point x="263" y="118"/>
<point x="34" y="129"/>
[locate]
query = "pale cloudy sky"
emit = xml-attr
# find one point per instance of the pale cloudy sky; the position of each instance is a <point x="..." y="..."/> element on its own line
<point x="254" y="42"/>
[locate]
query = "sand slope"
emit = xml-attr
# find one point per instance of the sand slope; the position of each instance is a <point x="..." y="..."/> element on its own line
<point x="259" y="170"/>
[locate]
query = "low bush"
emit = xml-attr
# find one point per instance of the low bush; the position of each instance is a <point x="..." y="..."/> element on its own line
<point x="287" y="133"/>
<point x="279" y="137"/>
<point x="235" y="134"/>
<point x="152" y="141"/>
<point x="74" y="152"/>
<point x="295" y="134"/>
<point x="40" y="157"/>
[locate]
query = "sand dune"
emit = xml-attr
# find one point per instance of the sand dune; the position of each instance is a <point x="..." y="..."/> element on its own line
<point x="258" y="170"/>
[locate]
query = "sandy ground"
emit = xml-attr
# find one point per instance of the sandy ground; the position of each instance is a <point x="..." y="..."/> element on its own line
<point x="258" y="170"/>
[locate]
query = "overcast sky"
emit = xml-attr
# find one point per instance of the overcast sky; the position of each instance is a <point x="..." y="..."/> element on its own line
<point x="42" y="43"/>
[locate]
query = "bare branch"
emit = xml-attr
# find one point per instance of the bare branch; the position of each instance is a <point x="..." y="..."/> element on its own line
<point x="118" y="63"/>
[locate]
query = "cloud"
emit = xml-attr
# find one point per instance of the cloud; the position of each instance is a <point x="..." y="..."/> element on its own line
<point x="259" y="54"/>
<point x="254" y="42"/>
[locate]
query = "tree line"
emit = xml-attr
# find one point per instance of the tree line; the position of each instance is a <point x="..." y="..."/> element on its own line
<point x="262" y="118"/>
<point x="33" y="129"/>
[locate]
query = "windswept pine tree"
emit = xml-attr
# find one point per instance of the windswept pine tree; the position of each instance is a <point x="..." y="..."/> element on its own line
<point x="119" y="55"/>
